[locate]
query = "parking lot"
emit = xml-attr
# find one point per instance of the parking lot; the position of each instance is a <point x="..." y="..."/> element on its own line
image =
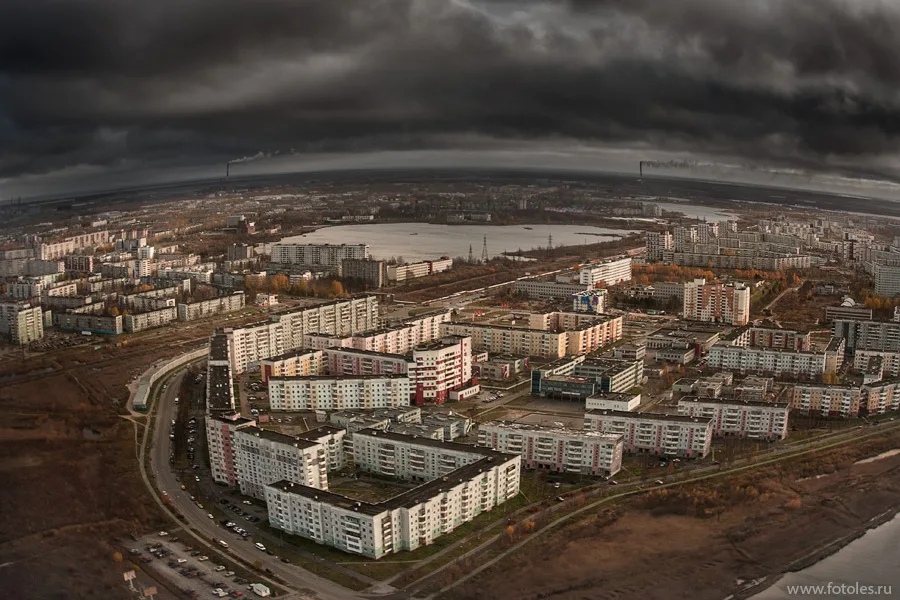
<point x="193" y="572"/>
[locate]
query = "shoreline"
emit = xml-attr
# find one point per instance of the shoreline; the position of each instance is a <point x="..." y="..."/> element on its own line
<point x="817" y="555"/>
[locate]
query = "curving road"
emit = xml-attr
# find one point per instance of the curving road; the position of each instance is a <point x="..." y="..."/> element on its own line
<point x="306" y="585"/>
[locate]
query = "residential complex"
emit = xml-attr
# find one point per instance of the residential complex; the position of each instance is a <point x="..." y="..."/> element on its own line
<point x="716" y="302"/>
<point x="768" y="360"/>
<point x="750" y="419"/>
<point x="339" y="393"/>
<point x="768" y="337"/>
<point x="263" y="456"/>
<point x="440" y="367"/>
<point x="847" y="401"/>
<point x="318" y="255"/>
<point x="555" y="449"/>
<point x="868" y="335"/>
<point x="608" y="272"/>
<point x="664" y="435"/>
<point x="460" y="483"/>
<point x="22" y="323"/>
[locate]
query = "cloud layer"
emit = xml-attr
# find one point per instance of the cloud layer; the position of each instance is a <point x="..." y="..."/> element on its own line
<point x="131" y="84"/>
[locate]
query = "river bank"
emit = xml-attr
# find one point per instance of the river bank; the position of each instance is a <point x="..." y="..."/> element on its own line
<point x="729" y="537"/>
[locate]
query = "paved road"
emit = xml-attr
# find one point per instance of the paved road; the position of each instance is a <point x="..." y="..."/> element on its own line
<point x="295" y="577"/>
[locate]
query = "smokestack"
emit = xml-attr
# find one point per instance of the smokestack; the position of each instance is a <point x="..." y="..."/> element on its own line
<point x="641" y="167"/>
<point x="227" y="170"/>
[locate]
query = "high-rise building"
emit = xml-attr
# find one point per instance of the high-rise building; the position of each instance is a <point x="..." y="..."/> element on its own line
<point x="608" y="272"/>
<point x="658" y="243"/>
<point x="439" y="367"/>
<point x="716" y="302"/>
<point x="21" y="322"/>
<point x="371" y="272"/>
<point x="318" y="255"/>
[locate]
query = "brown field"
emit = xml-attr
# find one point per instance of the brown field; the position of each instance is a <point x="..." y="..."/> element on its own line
<point x="698" y="541"/>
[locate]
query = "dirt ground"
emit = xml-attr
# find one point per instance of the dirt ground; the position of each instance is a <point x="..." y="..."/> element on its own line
<point x="70" y="479"/>
<point x="668" y="549"/>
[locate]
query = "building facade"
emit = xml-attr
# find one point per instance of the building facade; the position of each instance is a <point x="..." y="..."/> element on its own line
<point x="318" y="255"/>
<point x="716" y="302"/>
<point x="339" y="393"/>
<point x="22" y="323"/>
<point x="556" y="449"/>
<point x="769" y="361"/>
<point x="750" y="419"/>
<point x="440" y="367"/>
<point x="663" y="435"/>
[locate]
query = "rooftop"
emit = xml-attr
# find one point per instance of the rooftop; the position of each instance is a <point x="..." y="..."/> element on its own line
<point x="218" y="346"/>
<point x="646" y="416"/>
<point x="281" y="438"/>
<point x="338" y="377"/>
<point x="572" y="433"/>
<point x="411" y="439"/>
<point x="732" y="401"/>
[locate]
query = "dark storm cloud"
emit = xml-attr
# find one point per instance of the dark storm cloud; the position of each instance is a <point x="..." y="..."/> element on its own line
<point x="786" y="82"/>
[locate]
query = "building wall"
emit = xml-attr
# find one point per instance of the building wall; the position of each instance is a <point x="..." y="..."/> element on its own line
<point x="148" y="320"/>
<point x="208" y="308"/>
<point x="769" y="361"/>
<point x="665" y="435"/>
<point x="22" y="323"/>
<point x="440" y="367"/>
<point x="324" y="255"/>
<point x="338" y="393"/>
<point x="610" y="272"/>
<point x="758" y="420"/>
<point x="826" y="400"/>
<point x="562" y="450"/>
<point x="261" y="460"/>
<point x="534" y="288"/>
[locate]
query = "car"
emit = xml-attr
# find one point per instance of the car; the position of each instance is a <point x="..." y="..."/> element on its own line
<point x="202" y="558"/>
<point x="210" y="515"/>
<point x="659" y="482"/>
<point x="247" y="502"/>
<point x="613" y="482"/>
<point x="560" y="499"/>
<point x="228" y="573"/>
<point x="286" y="561"/>
<point x="188" y="549"/>
<point x="196" y="553"/>
<point x="200" y="506"/>
<point x="183" y="487"/>
<point x="228" y="523"/>
<point x="196" y="478"/>
<point x="163" y="533"/>
<point x="260" y="547"/>
<point x="270" y="553"/>
<point x="181" y="561"/>
<point x="219" y="568"/>
<point x="146" y="559"/>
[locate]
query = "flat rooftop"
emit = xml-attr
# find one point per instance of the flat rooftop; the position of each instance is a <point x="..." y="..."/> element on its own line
<point x="407" y="439"/>
<point x="646" y="416"/>
<point x="563" y="431"/>
<point x="699" y="400"/>
<point x="281" y="438"/>
<point x="218" y="346"/>
<point x="338" y="377"/>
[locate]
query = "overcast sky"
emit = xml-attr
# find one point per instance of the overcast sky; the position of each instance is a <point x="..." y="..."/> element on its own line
<point x="96" y="93"/>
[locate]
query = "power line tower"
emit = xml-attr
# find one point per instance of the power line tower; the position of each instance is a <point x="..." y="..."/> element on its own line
<point x="484" y="254"/>
<point x="471" y="255"/>
<point x="550" y="245"/>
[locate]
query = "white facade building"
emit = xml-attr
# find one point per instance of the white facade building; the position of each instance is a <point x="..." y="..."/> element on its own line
<point x="263" y="457"/>
<point x="771" y="361"/>
<point x="556" y="449"/>
<point x="750" y="419"/>
<point x="338" y="393"/>
<point x="609" y="272"/>
<point x="440" y="367"/>
<point x="318" y="255"/>
<point x="716" y="302"/>
<point x="664" y="435"/>
<point x="22" y="323"/>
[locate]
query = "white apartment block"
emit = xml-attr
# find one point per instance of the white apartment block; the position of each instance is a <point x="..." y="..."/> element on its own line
<point x="887" y="280"/>
<point x="556" y="449"/>
<point x="534" y="288"/>
<point x="440" y="367"/>
<point x="338" y="318"/>
<point x="497" y="339"/>
<point x="318" y="255"/>
<point x="253" y="343"/>
<point x="608" y="272"/>
<point x="221" y="446"/>
<point x="750" y="419"/>
<point x="399" y="273"/>
<point x="149" y="320"/>
<point x="716" y="302"/>
<point x="772" y="361"/>
<point x="413" y="519"/>
<point x="350" y="361"/>
<point x="22" y="323"/>
<point x="297" y="363"/>
<point x="208" y="308"/>
<point x="664" y="435"/>
<point x="263" y="457"/>
<point x="339" y="393"/>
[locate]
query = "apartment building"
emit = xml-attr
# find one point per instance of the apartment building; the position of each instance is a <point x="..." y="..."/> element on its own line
<point x="338" y="318"/>
<point x="221" y="446"/>
<point x="413" y="519"/>
<point x="439" y="367"/>
<point x="716" y="302"/>
<point x="333" y="439"/>
<point x="318" y="255"/>
<point x="339" y="393"/>
<point x="49" y="251"/>
<point x="149" y="320"/>
<point x="251" y="344"/>
<point x="663" y="435"/>
<point x="87" y="322"/>
<point x="887" y="279"/>
<point x="883" y="336"/>
<point x="208" y="308"/>
<point x="886" y="363"/>
<point x="880" y="397"/>
<point x="401" y="273"/>
<point x="297" y="363"/>
<point x="263" y="456"/>
<point x="769" y="337"/>
<point x="219" y="376"/>
<point x="612" y="375"/>
<point x="826" y="400"/>
<point x="749" y="419"/>
<point x="555" y="449"/>
<point x="771" y="361"/>
<point x="534" y="288"/>
<point x="22" y="323"/>
<point x="658" y="243"/>
<point x="371" y="272"/>
<point x="350" y="361"/>
<point x="590" y="301"/>
<point x="605" y="273"/>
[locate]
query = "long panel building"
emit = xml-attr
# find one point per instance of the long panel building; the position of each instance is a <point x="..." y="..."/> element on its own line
<point x="339" y="392"/>
<point x="460" y="482"/>
<point x="663" y="435"/>
<point x="555" y="448"/>
<point x="318" y="255"/>
<point x="740" y="418"/>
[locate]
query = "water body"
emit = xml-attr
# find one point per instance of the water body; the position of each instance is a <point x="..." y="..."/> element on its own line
<point x="693" y="211"/>
<point x="426" y="241"/>
<point x="870" y="560"/>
